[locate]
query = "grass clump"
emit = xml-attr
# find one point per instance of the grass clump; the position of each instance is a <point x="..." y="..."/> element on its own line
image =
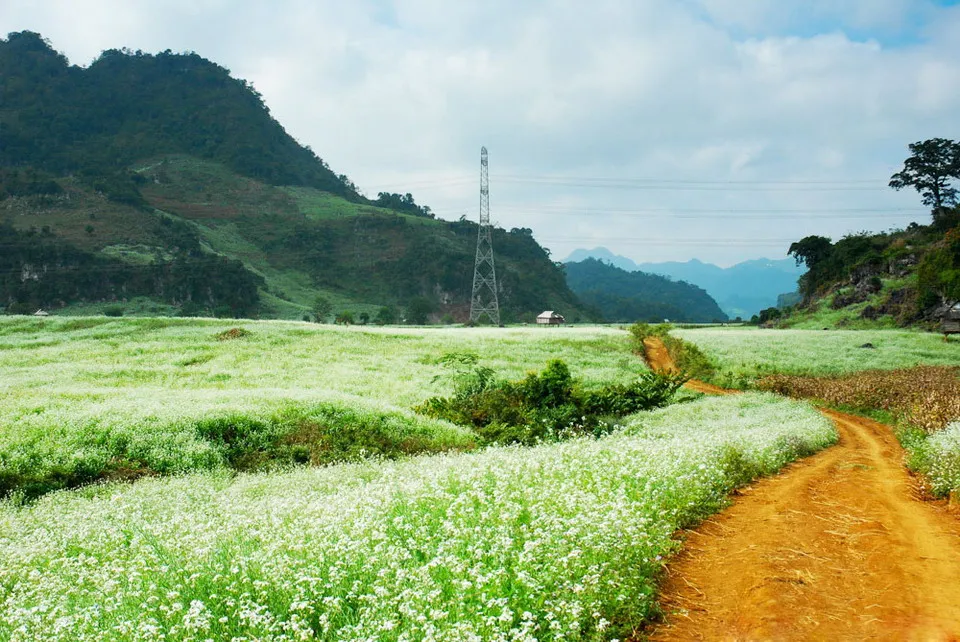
<point x="543" y="406"/>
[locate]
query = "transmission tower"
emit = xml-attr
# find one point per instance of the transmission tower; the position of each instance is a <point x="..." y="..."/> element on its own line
<point x="484" y="298"/>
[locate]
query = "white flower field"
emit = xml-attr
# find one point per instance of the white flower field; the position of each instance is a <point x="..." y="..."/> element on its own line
<point x="561" y="541"/>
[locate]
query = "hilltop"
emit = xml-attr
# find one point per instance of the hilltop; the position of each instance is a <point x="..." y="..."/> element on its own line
<point x="900" y="278"/>
<point x="161" y="183"/>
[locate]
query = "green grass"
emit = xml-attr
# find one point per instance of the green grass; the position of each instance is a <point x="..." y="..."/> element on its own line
<point x="821" y="315"/>
<point x="87" y="398"/>
<point x="742" y="355"/>
<point x="565" y="541"/>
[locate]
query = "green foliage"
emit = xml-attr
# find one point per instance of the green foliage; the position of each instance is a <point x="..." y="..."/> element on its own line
<point x="58" y="271"/>
<point x="544" y="406"/>
<point x="628" y="296"/>
<point x="931" y="167"/>
<point x="385" y="316"/>
<point x="322" y="307"/>
<point x="60" y="121"/>
<point x="402" y="203"/>
<point x="344" y="318"/>
<point x="113" y="311"/>
<point x="418" y="310"/>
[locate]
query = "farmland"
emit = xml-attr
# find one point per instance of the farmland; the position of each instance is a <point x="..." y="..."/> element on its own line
<point x="913" y="377"/>
<point x="742" y="355"/>
<point x="559" y="541"/>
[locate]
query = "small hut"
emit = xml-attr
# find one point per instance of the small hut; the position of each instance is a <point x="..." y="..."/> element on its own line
<point x="549" y="317"/>
<point x="950" y="323"/>
<point x="41" y="313"/>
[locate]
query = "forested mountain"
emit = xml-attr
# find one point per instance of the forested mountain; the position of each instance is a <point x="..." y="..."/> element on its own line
<point x="620" y="295"/>
<point x="161" y="176"/>
<point x="741" y="290"/>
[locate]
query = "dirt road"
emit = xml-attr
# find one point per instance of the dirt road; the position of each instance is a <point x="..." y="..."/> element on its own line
<point x="839" y="546"/>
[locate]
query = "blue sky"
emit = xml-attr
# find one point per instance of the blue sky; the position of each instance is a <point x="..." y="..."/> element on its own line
<point x="661" y="129"/>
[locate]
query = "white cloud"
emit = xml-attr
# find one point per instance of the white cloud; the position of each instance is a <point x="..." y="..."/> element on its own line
<point x="404" y="93"/>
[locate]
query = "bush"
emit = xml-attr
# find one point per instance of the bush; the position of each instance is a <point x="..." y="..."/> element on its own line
<point x="544" y="406"/>
<point x="113" y="311"/>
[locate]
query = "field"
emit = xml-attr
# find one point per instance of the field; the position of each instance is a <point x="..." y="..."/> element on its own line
<point x="558" y="541"/>
<point x="913" y="377"/>
<point x="87" y="398"/>
<point x="745" y="354"/>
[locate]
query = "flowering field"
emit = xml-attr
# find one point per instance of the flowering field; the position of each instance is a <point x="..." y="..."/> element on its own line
<point x="561" y="541"/>
<point x="83" y="399"/>
<point x="745" y="354"/>
<point x="912" y="375"/>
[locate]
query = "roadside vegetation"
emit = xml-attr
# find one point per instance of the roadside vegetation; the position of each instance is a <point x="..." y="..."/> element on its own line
<point x="560" y="541"/>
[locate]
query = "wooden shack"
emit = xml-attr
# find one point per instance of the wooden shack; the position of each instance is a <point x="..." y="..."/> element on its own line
<point x="950" y="323"/>
<point x="549" y="317"/>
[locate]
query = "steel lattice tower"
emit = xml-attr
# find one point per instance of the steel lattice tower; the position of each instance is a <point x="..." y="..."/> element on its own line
<point x="484" y="298"/>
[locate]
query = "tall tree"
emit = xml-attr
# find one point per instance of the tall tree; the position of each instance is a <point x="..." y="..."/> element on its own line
<point x="931" y="167"/>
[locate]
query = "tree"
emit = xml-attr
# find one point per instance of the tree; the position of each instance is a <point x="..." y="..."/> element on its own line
<point x="344" y="318"/>
<point x="816" y="253"/>
<point x="418" y="309"/>
<point x="933" y="164"/>
<point x="811" y="250"/>
<point x="364" y="318"/>
<point x="385" y="316"/>
<point x="322" y="309"/>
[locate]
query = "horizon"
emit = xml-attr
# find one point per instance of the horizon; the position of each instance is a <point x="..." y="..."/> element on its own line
<point x="797" y="115"/>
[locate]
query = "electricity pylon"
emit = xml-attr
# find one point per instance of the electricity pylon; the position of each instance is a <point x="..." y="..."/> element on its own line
<point x="484" y="301"/>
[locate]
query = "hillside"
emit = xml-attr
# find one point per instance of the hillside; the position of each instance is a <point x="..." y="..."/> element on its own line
<point x="163" y="184"/>
<point x="631" y="296"/>
<point x="741" y="290"/>
<point x="899" y="278"/>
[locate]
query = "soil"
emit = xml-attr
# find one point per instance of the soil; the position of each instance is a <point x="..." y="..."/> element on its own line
<point x="839" y="546"/>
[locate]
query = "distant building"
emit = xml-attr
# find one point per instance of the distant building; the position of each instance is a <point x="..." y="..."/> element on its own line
<point x="41" y="313"/>
<point x="549" y="317"/>
<point x="950" y="323"/>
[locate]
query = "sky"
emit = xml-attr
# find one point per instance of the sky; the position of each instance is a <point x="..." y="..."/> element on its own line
<point x="721" y="130"/>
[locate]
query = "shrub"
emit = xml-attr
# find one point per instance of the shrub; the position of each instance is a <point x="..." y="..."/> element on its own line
<point x="544" y="406"/>
<point x="113" y="311"/>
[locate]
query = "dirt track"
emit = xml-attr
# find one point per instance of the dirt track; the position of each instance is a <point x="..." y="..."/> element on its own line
<point x="839" y="546"/>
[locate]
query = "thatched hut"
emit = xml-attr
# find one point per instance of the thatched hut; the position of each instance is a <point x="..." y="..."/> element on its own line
<point x="549" y="317"/>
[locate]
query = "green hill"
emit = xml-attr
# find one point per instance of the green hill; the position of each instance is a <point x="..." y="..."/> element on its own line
<point x="901" y="278"/>
<point x="159" y="182"/>
<point x="620" y="295"/>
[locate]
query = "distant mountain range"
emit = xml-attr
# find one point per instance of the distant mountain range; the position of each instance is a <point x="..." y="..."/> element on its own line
<point x="741" y="290"/>
<point x="618" y="295"/>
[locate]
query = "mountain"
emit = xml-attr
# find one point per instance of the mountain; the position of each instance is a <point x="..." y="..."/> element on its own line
<point x="162" y="177"/>
<point x="620" y="295"/>
<point x="741" y="290"/>
<point x="605" y="255"/>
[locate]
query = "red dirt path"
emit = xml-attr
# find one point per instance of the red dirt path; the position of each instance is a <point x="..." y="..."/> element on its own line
<point x="839" y="546"/>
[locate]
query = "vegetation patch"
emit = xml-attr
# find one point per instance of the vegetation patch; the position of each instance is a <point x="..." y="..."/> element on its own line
<point x="545" y="406"/>
<point x="926" y="396"/>
<point x="687" y="356"/>
<point x="233" y="333"/>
